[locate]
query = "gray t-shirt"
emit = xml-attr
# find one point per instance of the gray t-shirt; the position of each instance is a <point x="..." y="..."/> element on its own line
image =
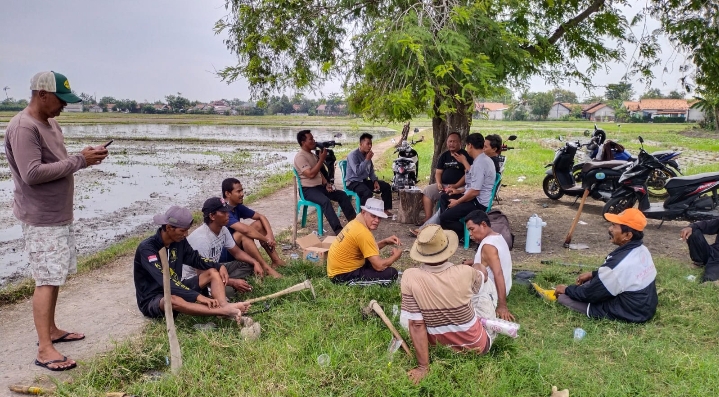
<point x="208" y="245"/>
<point x="42" y="171"/>
<point x="481" y="176"/>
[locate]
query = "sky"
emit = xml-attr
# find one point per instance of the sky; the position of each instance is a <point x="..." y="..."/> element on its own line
<point x="145" y="50"/>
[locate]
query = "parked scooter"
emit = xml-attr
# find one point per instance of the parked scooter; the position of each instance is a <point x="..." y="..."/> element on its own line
<point x="690" y="197"/>
<point x="599" y="177"/>
<point x="405" y="167"/>
<point x="328" y="169"/>
<point x="657" y="179"/>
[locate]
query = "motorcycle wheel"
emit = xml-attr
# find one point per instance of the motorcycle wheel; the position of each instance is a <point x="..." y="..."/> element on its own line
<point x="551" y="187"/>
<point x="656" y="181"/>
<point x="616" y="205"/>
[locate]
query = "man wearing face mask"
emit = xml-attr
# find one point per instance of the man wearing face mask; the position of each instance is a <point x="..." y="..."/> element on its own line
<point x="624" y="287"/>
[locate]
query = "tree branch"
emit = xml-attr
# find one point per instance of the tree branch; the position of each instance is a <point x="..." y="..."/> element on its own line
<point x="562" y="29"/>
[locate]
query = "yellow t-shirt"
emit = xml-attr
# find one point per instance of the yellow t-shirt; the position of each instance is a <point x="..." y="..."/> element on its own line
<point x="351" y="248"/>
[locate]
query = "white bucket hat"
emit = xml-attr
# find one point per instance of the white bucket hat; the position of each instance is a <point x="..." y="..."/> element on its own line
<point x="375" y="207"/>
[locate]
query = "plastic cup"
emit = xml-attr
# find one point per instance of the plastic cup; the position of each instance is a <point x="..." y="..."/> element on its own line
<point x="323" y="360"/>
<point x="579" y="334"/>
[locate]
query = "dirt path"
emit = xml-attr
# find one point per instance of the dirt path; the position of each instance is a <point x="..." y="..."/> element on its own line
<point x="100" y="304"/>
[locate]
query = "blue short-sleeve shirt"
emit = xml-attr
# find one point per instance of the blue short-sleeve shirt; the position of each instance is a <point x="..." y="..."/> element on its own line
<point x="238" y="213"/>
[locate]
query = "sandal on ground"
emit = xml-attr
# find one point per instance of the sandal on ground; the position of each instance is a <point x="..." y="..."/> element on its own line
<point x="65" y="338"/>
<point x="414" y="232"/>
<point x="47" y="364"/>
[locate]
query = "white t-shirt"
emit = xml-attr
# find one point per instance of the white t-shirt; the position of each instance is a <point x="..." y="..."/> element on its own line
<point x="208" y="245"/>
<point x="505" y="258"/>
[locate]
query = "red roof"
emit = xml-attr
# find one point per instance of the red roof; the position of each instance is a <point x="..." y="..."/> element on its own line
<point x="490" y="106"/>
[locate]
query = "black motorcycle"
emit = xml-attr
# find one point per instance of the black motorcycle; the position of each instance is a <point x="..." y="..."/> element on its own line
<point x="600" y="177"/>
<point x="690" y="197"/>
<point x="328" y="169"/>
<point x="405" y="167"/>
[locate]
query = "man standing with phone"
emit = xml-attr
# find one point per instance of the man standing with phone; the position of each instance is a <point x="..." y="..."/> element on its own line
<point x="42" y="172"/>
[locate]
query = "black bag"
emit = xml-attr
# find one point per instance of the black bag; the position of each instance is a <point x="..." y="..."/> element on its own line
<point x="500" y="224"/>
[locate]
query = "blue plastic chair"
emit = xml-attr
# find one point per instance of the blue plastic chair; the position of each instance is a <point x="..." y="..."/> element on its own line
<point x="343" y="169"/>
<point x="497" y="181"/>
<point x="303" y="204"/>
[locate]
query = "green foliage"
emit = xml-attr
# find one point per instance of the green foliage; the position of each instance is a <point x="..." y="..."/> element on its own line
<point x="10" y="104"/>
<point x="541" y="103"/>
<point x="620" y="91"/>
<point x="653" y="93"/>
<point x="177" y="103"/>
<point x="564" y="96"/>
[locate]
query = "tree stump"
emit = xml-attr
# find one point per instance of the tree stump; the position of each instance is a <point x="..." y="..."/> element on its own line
<point x="410" y="206"/>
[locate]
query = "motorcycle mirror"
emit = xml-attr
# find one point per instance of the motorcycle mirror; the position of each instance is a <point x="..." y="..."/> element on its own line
<point x="641" y="140"/>
<point x="586" y="132"/>
<point x="512" y="137"/>
<point x="560" y="138"/>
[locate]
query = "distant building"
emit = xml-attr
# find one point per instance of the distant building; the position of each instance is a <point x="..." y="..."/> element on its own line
<point x="95" y="109"/>
<point x="559" y="110"/>
<point x="598" y="112"/>
<point x="74" y="107"/>
<point x="651" y="108"/>
<point x="220" y="107"/>
<point x="493" y="110"/>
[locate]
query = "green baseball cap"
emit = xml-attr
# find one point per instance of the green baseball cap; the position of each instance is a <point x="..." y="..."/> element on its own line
<point x="56" y="83"/>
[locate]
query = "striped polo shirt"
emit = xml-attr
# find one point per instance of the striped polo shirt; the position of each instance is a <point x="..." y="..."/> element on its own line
<point x="441" y="296"/>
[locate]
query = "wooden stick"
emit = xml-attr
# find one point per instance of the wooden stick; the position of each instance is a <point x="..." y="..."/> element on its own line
<point x="568" y="239"/>
<point x="378" y="309"/>
<point x="307" y="284"/>
<point x="175" y="353"/>
<point x="294" y="224"/>
<point x="28" y="389"/>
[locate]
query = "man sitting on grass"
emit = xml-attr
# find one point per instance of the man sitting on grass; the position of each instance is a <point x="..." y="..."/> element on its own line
<point x="244" y="234"/>
<point x="700" y="252"/>
<point x="493" y="253"/>
<point x="186" y="297"/>
<point x="623" y="288"/>
<point x="354" y="258"/>
<point x="443" y="302"/>
<point x="211" y="238"/>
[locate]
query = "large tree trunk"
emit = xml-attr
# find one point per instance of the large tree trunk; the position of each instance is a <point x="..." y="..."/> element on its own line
<point x="442" y="125"/>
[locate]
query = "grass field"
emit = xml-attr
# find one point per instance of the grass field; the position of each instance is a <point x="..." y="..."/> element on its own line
<point x="675" y="354"/>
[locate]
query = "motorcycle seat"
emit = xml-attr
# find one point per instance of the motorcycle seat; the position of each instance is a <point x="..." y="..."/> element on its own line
<point x="682" y="181"/>
<point x="662" y="152"/>
<point x="601" y="164"/>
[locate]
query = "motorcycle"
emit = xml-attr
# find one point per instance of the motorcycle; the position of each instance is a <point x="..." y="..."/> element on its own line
<point x="690" y="198"/>
<point x="405" y="167"/>
<point x="599" y="177"/>
<point x="502" y="160"/>
<point x="658" y="178"/>
<point x="328" y="169"/>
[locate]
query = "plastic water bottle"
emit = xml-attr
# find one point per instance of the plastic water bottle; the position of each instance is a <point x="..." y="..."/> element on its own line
<point x="579" y="334"/>
<point x="395" y="311"/>
<point x="294" y="256"/>
<point x="501" y="326"/>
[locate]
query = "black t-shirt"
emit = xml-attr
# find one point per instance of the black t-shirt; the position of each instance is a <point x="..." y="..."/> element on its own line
<point x="495" y="159"/>
<point x="452" y="170"/>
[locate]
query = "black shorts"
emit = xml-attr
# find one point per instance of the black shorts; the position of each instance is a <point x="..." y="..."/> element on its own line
<point x="155" y="310"/>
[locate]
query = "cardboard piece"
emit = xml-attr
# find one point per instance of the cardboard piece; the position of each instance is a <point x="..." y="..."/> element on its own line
<point x="314" y="250"/>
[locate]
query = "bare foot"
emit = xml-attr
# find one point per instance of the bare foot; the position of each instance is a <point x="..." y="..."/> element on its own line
<point x="278" y="263"/>
<point x="272" y="272"/>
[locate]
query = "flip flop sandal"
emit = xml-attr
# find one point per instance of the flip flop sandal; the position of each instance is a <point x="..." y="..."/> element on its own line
<point x="64" y="339"/>
<point x="413" y="232"/>
<point x="47" y="364"/>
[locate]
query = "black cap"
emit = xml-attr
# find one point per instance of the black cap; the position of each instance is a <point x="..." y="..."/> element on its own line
<point x="215" y="204"/>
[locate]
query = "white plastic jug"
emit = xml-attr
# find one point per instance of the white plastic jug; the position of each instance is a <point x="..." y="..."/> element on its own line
<point x="534" y="234"/>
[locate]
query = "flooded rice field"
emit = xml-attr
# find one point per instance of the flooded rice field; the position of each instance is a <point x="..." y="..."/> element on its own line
<point x="150" y="168"/>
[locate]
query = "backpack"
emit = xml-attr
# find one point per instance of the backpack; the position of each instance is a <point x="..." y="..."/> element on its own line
<point x="500" y="224"/>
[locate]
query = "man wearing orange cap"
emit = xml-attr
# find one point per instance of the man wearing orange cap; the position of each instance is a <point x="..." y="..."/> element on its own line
<point x="623" y="288"/>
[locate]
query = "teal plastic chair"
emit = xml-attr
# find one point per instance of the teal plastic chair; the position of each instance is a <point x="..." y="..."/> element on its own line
<point x="497" y="181"/>
<point x="304" y="204"/>
<point x="351" y="194"/>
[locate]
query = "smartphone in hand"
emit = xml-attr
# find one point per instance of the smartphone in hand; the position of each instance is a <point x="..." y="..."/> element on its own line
<point x="108" y="143"/>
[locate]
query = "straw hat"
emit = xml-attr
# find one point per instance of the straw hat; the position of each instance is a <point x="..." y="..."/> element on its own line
<point x="434" y="245"/>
